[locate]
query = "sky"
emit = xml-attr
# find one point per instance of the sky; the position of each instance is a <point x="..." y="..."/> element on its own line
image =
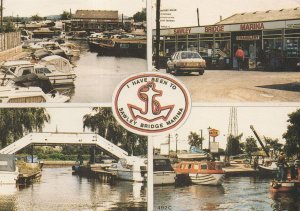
<point x="66" y="119"/>
<point x="211" y="10"/>
<point x="267" y="121"/>
<point x="28" y="8"/>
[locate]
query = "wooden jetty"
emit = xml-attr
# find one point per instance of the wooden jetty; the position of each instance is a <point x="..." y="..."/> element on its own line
<point x="105" y="176"/>
<point x="239" y="170"/>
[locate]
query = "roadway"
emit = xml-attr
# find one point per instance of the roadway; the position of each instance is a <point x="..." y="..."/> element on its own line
<point x="242" y="86"/>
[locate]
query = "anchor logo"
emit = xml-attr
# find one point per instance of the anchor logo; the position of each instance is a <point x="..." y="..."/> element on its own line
<point x="152" y="110"/>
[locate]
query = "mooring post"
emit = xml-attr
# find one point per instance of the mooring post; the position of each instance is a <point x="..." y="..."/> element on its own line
<point x="32" y="148"/>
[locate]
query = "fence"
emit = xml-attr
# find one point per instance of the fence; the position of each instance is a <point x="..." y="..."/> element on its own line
<point x="9" y="40"/>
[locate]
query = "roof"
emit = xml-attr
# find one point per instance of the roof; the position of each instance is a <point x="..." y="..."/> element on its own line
<point x="260" y="16"/>
<point x="96" y="14"/>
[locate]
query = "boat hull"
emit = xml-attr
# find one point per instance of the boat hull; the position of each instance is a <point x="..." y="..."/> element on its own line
<point x="128" y="175"/>
<point x="164" y="177"/>
<point x="207" y="179"/>
<point x="285" y="186"/>
<point x="267" y="172"/>
<point x="7" y="177"/>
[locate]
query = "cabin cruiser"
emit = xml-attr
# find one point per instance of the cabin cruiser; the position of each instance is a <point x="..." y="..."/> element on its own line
<point x="202" y="172"/>
<point x="8" y="170"/>
<point x="163" y="172"/>
<point x="57" y="69"/>
<point x="132" y="168"/>
<point x="268" y="169"/>
<point x="70" y="49"/>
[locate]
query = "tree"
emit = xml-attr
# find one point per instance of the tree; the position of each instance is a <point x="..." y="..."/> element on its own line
<point x="292" y="135"/>
<point x="250" y="146"/>
<point x="195" y="140"/>
<point x="102" y="121"/>
<point x="36" y="17"/>
<point x="273" y="144"/>
<point x="140" y="16"/>
<point x="16" y="122"/>
<point x="233" y="144"/>
<point x="65" y="15"/>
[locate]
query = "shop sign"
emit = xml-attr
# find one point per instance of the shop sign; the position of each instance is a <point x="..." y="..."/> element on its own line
<point x="213" y="29"/>
<point x="252" y="26"/>
<point x="252" y="37"/>
<point x="213" y="132"/>
<point x="182" y="31"/>
<point x="214" y="147"/>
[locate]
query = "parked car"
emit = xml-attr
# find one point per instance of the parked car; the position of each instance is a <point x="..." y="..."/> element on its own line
<point x="186" y="61"/>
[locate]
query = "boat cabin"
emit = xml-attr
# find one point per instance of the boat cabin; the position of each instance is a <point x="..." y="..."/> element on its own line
<point x="199" y="167"/>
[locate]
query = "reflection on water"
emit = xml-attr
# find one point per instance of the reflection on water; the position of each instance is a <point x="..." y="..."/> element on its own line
<point x="97" y="76"/>
<point x="60" y="190"/>
<point x="237" y="193"/>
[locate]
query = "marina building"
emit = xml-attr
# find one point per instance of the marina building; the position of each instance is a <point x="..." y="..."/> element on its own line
<point x="270" y="39"/>
<point x="96" y="20"/>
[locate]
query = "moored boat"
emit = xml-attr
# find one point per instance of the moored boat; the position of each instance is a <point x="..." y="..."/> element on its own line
<point x="8" y="169"/>
<point x="268" y="170"/>
<point x="202" y="172"/>
<point x="163" y="172"/>
<point x="132" y="168"/>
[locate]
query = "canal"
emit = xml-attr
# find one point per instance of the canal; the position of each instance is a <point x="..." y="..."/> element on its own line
<point x="98" y="76"/>
<point x="237" y="193"/>
<point x="58" y="189"/>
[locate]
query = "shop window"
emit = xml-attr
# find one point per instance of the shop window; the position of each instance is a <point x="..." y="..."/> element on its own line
<point x="169" y="48"/>
<point x="181" y="46"/>
<point x="222" y="48"/>
<point x="206" y="48"/>
<point x="291" y="47"/>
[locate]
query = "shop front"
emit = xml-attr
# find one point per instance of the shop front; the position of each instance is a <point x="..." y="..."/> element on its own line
<point x="270" y="45"/>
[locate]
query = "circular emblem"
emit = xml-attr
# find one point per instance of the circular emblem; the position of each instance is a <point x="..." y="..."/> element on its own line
<point x="151" y="103"/>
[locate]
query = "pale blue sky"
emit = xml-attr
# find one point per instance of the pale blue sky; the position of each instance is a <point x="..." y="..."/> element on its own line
<point x="54" y="7"/>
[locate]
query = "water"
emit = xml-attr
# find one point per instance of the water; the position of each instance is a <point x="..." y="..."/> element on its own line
<point x="60" y="190"/>
<point x="98" y="76"/>
<point x="237" y="193"/>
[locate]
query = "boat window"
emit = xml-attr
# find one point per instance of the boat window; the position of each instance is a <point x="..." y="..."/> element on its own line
<point x="42" y="70"/>
<point x="196" y="166"/>
<point x="186" y="166"/>
<point x="140" y="45"/>
<point x="122" y="45"/>
<point x="204" y="166"/>
<point x="218" y="167"/>
<point x="162" y="165"/>
<point x="26" y="72"/>
<point x="190" y="166"/>
<point x="13" y="69"/>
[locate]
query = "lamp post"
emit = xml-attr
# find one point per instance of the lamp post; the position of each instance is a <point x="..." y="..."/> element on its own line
<point x="176" y="135"/>
<point x="209" y="128"/>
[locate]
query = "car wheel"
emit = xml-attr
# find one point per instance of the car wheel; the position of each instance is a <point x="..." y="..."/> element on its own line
<point x="201" y="72"/>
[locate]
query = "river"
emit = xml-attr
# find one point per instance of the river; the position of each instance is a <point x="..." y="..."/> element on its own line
<point x="237" y="193"/>
<point x="98" y="76"/>
<point x="58" y="189"/>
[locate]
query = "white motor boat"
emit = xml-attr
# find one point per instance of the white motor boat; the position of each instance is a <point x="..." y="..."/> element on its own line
<point x="70" y="49"/>
<point x="163" y="172"/>
<point x="132" y="168"/>
<point x="56" y="68"/>
<point x="10" y="94"/>
<point x="8" y="170"/>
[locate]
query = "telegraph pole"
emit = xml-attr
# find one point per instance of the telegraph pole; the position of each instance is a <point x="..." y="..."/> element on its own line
<point x="198" y="17"/>
<point x="157" y="33"/>
<point x="1" y="15"/>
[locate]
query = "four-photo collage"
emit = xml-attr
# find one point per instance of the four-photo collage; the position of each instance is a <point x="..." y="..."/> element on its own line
<point x="149" y="105"/>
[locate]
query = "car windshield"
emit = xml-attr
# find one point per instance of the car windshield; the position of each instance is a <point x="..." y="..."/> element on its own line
<point x="190" y="55"/>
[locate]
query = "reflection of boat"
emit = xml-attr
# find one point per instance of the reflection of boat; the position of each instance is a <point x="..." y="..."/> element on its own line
<point x="285" y="186"/>
<point x="163" y="172"/>
<point x="8" y="169"/>
<point x="132" y="168"/>
<point x="202" y="172"/>
<point x="268" y="170"/>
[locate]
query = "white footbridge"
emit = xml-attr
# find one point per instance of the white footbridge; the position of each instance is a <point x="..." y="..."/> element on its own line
<point x="56" y="139"/>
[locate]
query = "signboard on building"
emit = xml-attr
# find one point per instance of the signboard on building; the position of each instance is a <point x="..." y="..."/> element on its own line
<point x="167" y="18"/>
<point x="252" y="37"/>
<point x="214" y="147"/>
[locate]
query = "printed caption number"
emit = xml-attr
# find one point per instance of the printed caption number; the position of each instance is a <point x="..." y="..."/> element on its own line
<point x="164" y="207"/>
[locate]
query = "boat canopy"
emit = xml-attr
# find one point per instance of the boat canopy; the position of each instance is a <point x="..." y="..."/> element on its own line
<point x="56" y="63"/>
<point x="7" y="163"/>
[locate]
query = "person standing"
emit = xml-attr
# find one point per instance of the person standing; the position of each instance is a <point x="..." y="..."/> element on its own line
<point x="281" y="162"/>
<point x="240" y="56"/>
